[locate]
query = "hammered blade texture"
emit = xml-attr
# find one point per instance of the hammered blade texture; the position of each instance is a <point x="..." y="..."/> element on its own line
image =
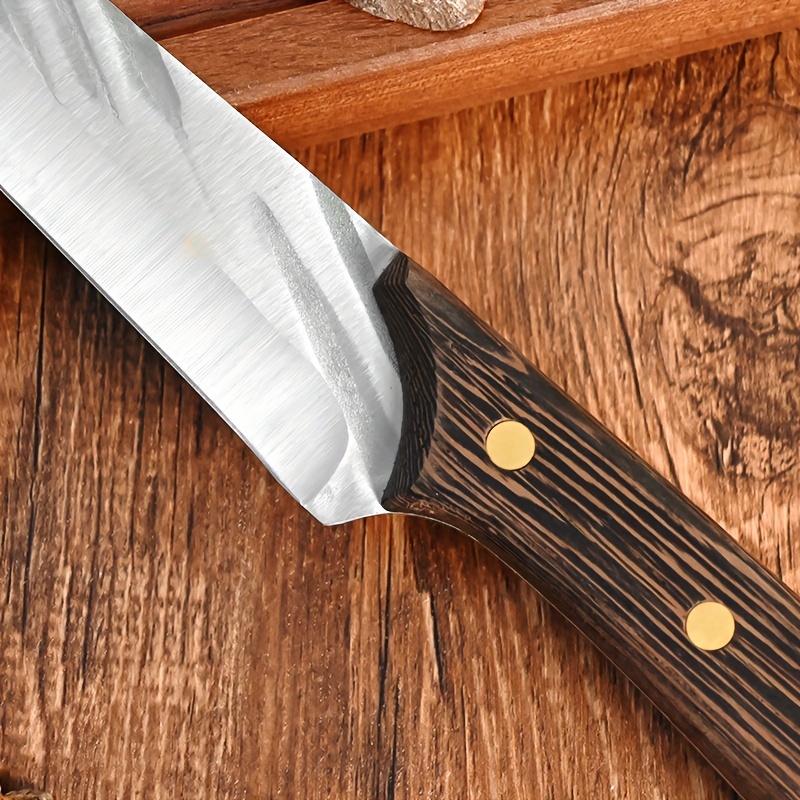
<point x="246" y="273"/>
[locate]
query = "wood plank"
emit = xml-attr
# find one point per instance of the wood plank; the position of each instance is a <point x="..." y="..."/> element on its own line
<point x="162" y="18"/>
<point x="175" y="626"/>
<point x="327" y="70"/>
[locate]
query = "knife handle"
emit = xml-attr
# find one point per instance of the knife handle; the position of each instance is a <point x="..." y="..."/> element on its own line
<point x="611" y="544"/>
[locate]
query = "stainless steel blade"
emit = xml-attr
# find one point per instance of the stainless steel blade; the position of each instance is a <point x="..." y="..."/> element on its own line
<point x="245" y="272"/>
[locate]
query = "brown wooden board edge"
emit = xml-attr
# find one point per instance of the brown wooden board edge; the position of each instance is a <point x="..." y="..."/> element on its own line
<point x="325" y="71"/>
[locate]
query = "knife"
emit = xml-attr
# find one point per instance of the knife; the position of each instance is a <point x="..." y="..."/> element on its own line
<point x="365" y="387"/>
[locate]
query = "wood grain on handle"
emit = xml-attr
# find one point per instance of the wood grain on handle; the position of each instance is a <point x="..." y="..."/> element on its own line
<point x="611" y="544"/>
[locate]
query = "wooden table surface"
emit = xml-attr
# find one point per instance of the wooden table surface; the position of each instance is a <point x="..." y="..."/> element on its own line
<point x="174" y="625"/>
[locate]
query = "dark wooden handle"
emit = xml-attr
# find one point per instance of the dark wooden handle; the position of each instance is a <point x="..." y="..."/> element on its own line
<point x="611" y="544"/>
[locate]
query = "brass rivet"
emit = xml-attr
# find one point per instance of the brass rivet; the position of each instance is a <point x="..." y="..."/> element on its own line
<point x="510" y="445"/>
<point x="710" y="625"/>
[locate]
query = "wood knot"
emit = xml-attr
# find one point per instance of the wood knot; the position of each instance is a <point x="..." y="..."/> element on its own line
<point x="724" y="324"/>
<point x="731" y="350"/>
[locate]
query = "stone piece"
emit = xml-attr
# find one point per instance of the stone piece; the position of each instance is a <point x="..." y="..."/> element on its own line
<point x="437" y="15"/>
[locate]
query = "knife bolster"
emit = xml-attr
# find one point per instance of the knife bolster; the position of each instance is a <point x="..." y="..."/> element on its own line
<point x="610" y="543"/>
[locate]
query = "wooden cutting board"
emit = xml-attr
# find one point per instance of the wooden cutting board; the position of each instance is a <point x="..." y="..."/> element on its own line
<point x="173" y="625"/>
<point x="310" y="71"/>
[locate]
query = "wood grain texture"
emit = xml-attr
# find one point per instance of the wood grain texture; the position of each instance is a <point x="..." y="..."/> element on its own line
<point x="325" y="70"/>
<point x="173" y="624"/>
<point x="616" y="549"/>
<point x="163" y="18"/>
